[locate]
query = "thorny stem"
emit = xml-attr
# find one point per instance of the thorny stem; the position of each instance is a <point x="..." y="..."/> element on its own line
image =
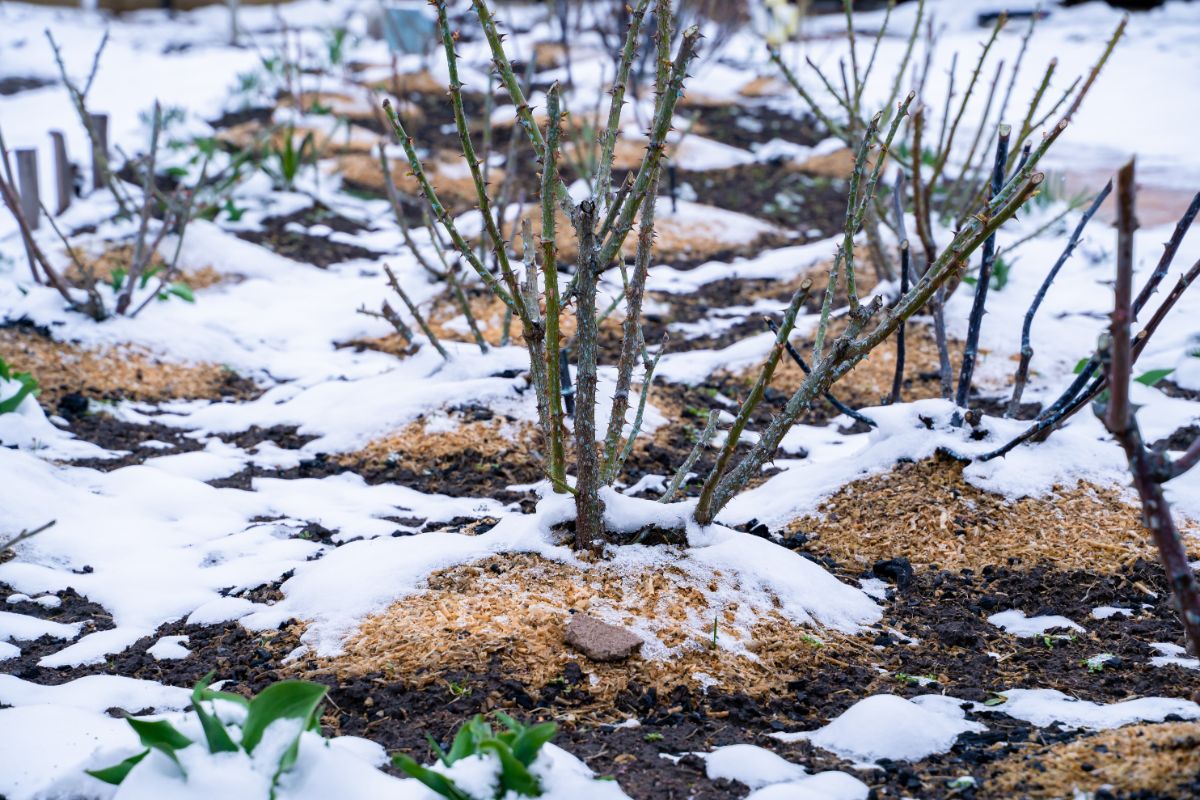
<point x="1117" y="357"/>
<point x="517" y="94"/>
<point x="859" y="201"/>
<point x="549" y="247"/>
<point x="848" y="350"/>
<point x="439" y="210"/>
<point x="834" y="128"/>
<point x="631" y="329"/>
<point x="608" y="139"/>
<point x="905" y="264"/>
<point x="984" y="279"/>
<point x="468" y="149"/>
<point x="1022" y="374"/>
<point x="1070" y="401"/>
<point x="704" y="510"/>
<point x="962" y="107"/>
<point x="841" y="407"/>
<point x="398" y="212"/>
<point x="589" y="526"/>
<point x="654" y="151"/>
<point x="681" y="474"/>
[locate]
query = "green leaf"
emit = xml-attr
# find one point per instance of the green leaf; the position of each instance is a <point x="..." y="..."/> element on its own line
<point x="148" y="274"/>
<point x="1153" y="376"/>
<point x="180" y="290"/>
<point x="117" y="278"/>
<point x="284" y="700"/>
<point x="213" y="694"/>
<point x="160" y="735"/>
<point x="117" y="772"/>
<point x="437" y="749"/>
<point x="1082" y="365"/>
<point x="514" y="776"/>
<point x="5" y="370"/>
<point x="466" y="741"/>
<point x="434" y="780"/>
<point x="219" y="740"/>
<point x="530" y="741"/>
<point x="28" y="386"/>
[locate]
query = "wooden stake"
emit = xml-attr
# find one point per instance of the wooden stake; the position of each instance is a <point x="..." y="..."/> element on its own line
<point x="99" y="123"/>
<point x="63" y="183"/>
<point x="27" y="182"/>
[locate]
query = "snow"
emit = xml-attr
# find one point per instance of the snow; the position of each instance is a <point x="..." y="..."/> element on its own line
<point x="750" y="765"/>
<point x="154" y="544"/>
<point x="1015" y="622"/>
<point x="831" y="785"/>
<point x="887" y="726"/>
<point x="169" y="647"/>
<point x="95" y="693"/>
<point x="1104" y="612"/>
<point x="47" y="747"/>
<point x="19" y="627"/>
<point x="1172" y="655"/>
<point x="1043" y="707"/>
<point x="774" y="778"/>
<point x="758" y="575"/>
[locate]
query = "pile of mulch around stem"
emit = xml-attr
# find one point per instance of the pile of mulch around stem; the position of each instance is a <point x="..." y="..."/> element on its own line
<point x="957" y="525"/>
<point x="480" y="456"/>
<point x="1156" y="760"/>
<point x="121" y="372"/>
<point x="681" y="243"/>
<point x="512" y="611"/>
<point x="447" y="320"/>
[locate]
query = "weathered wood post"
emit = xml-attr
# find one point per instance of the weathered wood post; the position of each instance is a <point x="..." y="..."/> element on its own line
<point x="99" y="125"/>
<point x="27" y="181"/>
<point x="63" y="183"/>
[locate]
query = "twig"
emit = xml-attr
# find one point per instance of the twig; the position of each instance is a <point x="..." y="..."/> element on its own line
<point x="412" y="309"/>
<point x="24" y="535"/>
<point x="1022" y="374"/>
<point x="984" y="280"/>
<point x="704" y="510"/>
<point x="905" y="259"/>
<point x="833" y="401"/>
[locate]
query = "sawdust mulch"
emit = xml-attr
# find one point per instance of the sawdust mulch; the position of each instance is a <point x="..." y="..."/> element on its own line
<point x="1161" y="759"/>
<point x="447" y="172"/>
<point x="418" y="445"/>
<point x="676" y="240"/>
<point x="113" y="257"/>
<point x="113" y="373"/>
<point x="928" y="513"/>
<point x="511" y="611"/>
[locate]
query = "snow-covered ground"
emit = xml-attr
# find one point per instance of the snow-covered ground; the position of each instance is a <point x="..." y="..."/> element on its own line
<point x="159" y="544"/>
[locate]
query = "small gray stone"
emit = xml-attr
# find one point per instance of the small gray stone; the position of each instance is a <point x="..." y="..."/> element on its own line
<point x="600" y="641"/>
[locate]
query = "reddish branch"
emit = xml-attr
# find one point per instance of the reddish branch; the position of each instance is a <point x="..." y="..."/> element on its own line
<point x="1149" y="469"/>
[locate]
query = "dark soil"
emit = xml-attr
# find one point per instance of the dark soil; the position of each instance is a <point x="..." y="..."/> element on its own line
<point x="812" y="206"/>
<point x="111" y="433"/>
<point x="307" y="248"/>
<point x="946" y="612"/>
<point x="745" y="125"/>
